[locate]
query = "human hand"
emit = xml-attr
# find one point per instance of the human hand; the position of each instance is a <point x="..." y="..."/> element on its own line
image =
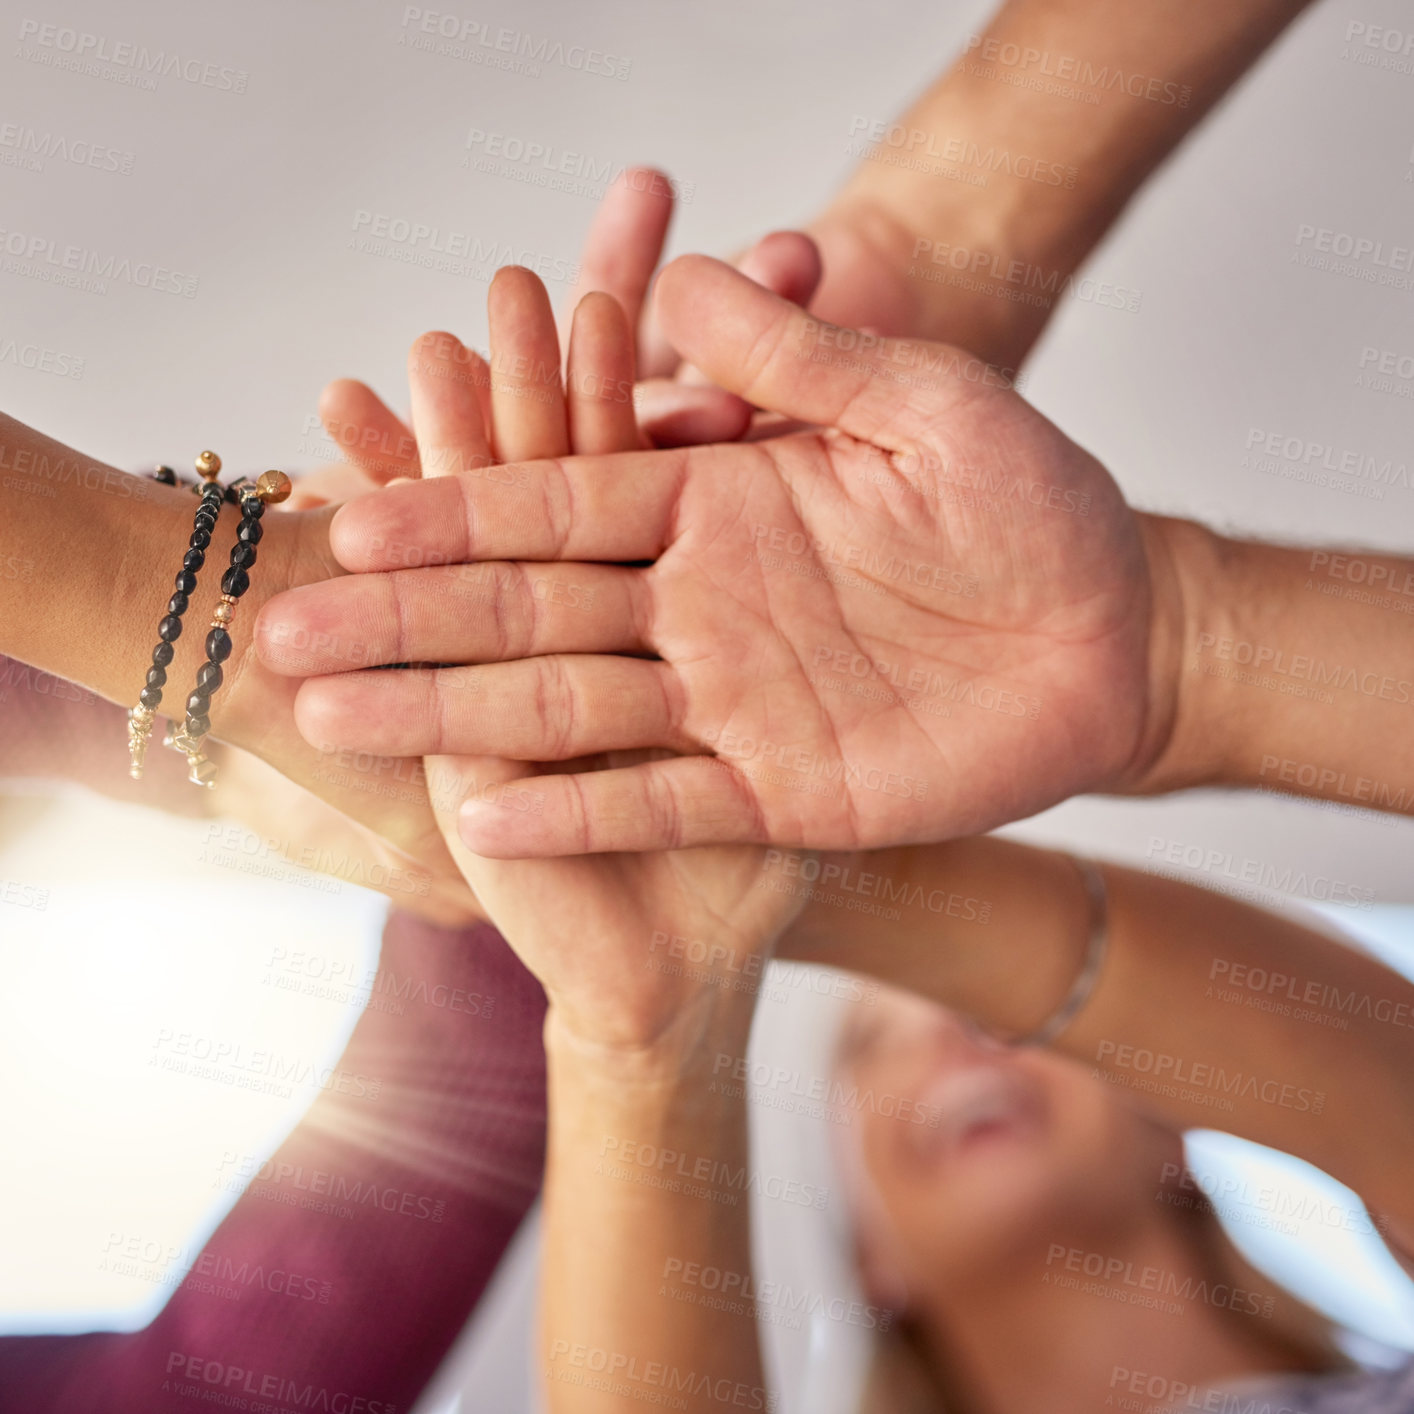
<point x="934" y="617"/>
<point x="366" y="820"/>
<point x="586" y="927"/>
<point x="677" y="406"/>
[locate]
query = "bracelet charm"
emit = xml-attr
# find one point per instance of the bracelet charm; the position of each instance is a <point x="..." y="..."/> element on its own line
<point x="141" y="716"/>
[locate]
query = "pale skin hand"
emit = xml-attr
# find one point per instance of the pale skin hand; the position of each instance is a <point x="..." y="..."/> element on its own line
<point x="600" y="996"/>
<point x="794" y="583"/>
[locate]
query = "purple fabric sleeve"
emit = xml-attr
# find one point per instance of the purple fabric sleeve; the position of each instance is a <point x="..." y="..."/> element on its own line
<point x="353" y="1258"/>
<point x="351" y="1262"/>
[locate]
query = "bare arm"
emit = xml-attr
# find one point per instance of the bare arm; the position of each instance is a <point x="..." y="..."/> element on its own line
<point x="1026" y="150"/>
<point x="1290" y="670"/>
<point x="1215" y="1012"/>
<point x="87" y="555"/>
<point x="645" y="1178"/>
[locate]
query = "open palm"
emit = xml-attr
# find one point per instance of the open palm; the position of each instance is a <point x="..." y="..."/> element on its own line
<point x="931" y="618"/>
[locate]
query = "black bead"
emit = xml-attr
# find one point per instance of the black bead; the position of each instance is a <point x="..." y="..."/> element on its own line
<point x="243" y="556"/>
<point x="198" y="704"/>
<point x="185" y="581"/>
<point x="235" y="582"/>
<point x="198" y="726"/>
<point x="177" y="604"/>
<point x="213" y="493"/>
<point x="162" y="654"/>
<point x="209" y="677"/>
<point x="150" y="696"/>
<point x="250" y="531"/>
<point x="193" y="559"/>
<point x="156" y="677"/>
<point x="165" y="475"/>
<point x="200" y="538"/>
<point x="254" y="508"/>
<point x="206" y="517"/>
<point x="170" y="629"/>
<point x="218" y="645"/>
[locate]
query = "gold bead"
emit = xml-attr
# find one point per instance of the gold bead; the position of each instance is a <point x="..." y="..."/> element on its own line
<point x="208" y="464"/>
<point x="221" y="615"/>
<point x="273" y="487"/>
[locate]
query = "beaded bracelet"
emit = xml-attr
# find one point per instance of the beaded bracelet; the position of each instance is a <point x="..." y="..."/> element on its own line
<point x="269" y="488"/>
<point x="140" y="717"/>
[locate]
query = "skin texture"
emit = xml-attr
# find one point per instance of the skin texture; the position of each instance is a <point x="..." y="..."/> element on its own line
<point x="789" y="558"/>
<point x="934" y="616"/>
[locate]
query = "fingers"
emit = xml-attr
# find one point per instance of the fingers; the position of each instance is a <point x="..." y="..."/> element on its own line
<point x="776" y="356"/>
<point x="672" y="804"/>
<point x="625" y="241"/>
<point x="452" y="614"/>
<point x="335" y="484"/>
<point x="538" y="709"/>
<point x="448" y="383"/>
<point x="674" y="414"/>
<point x="599" y="375"/>
<point x="368" y="432"/>
<point x="616" y="508"/>
<point x="785" y="262"/>
<point x="528" y="418"/>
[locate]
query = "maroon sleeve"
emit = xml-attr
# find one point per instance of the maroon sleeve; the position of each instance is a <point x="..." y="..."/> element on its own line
<point x="352" y="1260"/>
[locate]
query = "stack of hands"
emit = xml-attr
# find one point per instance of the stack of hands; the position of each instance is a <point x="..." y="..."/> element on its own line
<point x="773" y="573"/>
<point x="907" y="608"/>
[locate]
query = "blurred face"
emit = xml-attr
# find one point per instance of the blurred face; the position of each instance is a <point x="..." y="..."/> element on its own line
<point x="1000" y="1151"/>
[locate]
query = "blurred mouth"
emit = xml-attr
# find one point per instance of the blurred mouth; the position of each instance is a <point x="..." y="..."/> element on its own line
<point x="976" y="1107"/>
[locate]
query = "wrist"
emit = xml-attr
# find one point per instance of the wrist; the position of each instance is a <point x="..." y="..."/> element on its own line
<point x="1193" y="726"/>
<point x="887" y="268"/>
<point x="293" y="551"/>
<point x="677" y="1058"/>
<point x="964" y="253"/>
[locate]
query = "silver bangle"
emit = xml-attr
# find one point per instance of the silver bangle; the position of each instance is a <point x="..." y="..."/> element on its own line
<point x="1084" y="985"/>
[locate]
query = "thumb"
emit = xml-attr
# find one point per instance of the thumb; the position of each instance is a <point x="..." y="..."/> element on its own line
<point x="785" y="262"/>
<point x="776" y="356"/>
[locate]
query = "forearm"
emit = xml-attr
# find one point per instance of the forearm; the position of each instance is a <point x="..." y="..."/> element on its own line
<point x="99" y="550"/>
<point x="1212" y="1011"/>
<point x="1294" y="673"/>
<point x="644" y="1178"/>
<point x="1030" y="146"/>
